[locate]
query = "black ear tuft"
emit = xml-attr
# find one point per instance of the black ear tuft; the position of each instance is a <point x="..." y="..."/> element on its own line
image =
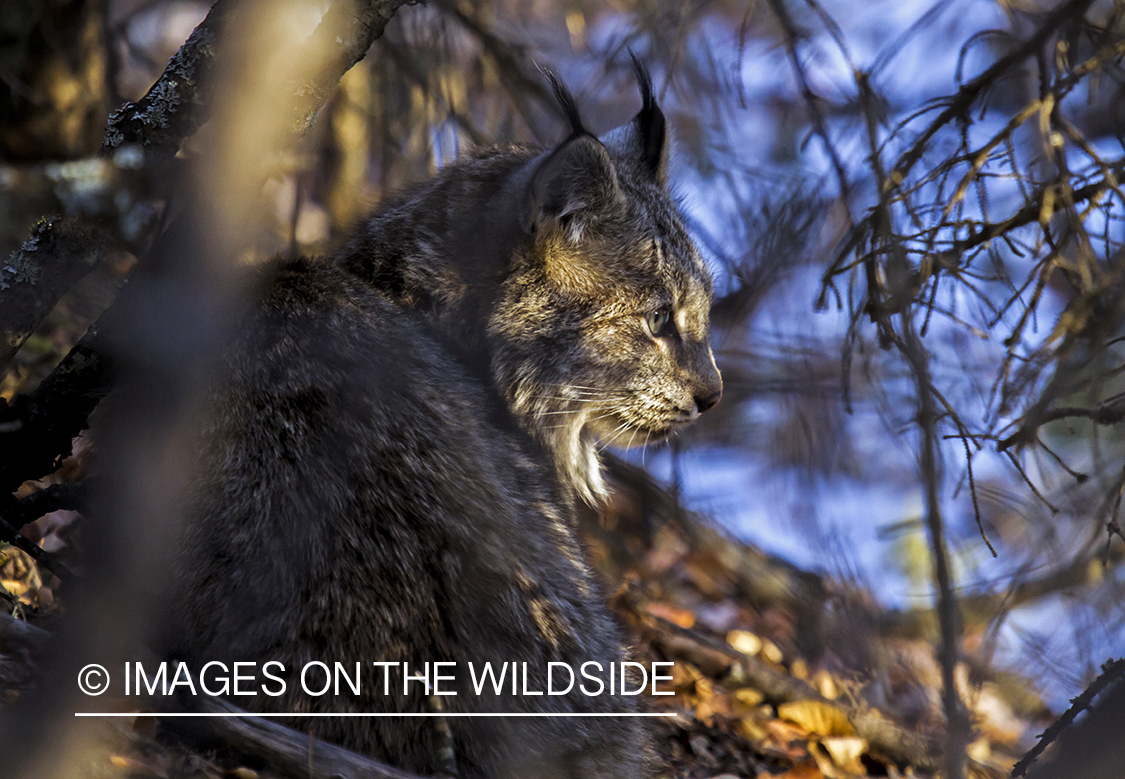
<point x="566" y="103"/>
<point x="644" y="80"/>
<point x="650" y="123"/>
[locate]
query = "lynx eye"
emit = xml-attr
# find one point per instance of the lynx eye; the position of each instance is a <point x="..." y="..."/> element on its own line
<point x="658" y="321"/>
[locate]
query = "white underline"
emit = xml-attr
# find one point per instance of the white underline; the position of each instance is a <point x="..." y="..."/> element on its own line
<point x="362" y="714"/>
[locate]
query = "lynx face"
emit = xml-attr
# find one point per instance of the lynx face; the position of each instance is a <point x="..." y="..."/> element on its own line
<point x="568" y="275"/>
<point x="601" y="334"/>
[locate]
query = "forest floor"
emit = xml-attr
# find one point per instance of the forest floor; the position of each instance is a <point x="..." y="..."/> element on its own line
<point x="778" y="672"/>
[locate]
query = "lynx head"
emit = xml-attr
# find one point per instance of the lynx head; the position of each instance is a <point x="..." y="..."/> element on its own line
<point x="601" y="330"/>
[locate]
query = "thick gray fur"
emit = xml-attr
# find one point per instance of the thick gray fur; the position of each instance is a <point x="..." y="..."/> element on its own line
<point x="394" y="453"/>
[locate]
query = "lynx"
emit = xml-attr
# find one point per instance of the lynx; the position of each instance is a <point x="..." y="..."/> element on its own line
<point x="402" y="432"/>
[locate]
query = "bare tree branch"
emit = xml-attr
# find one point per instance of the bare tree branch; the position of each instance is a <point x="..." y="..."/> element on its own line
<point x="1111" y="412"/>
<point x="283" y="749"/>
<point x="959" y="103"/>
<point x="63" y="250"/>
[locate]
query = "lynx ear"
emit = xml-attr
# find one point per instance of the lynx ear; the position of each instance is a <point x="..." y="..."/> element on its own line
<point x="573" y="187"/>
<point x="644" y="141"/>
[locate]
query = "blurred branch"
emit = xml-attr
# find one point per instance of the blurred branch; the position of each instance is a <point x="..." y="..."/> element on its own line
<point x="285" y="750"/>
<point x="170" y="321"/>
<point x="949" y="616"/>
<point x="978" y="611"/>
<point x="510" y="64"/>
<point x="792" y="35"/>
<point x="37" y="429"/>
<point x="70" y="496"/>
<point x="61" y="251"/>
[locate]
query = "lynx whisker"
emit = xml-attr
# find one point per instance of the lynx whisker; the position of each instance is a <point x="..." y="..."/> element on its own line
<point x="600" y="407"/>
<point x="606" y="415"/>
<point x="644" y="447"/>
<point x="617" y="433"/>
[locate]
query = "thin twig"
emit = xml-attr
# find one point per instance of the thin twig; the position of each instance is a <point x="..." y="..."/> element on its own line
<point x="959" y="103"/>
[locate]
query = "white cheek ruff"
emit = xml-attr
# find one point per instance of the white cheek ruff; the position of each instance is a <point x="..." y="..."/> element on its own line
<point x="583" y="467"/>
<point x="573" y="451"/>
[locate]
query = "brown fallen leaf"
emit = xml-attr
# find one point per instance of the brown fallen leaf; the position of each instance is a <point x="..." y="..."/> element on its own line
<point x="751" y="729"/>
<point x="785" y="739"/>
<point x="845" y="751"/>
<point x="819" y="717"/>
<point x="19" y="575"/>
<point x="674" y="614"/>
<point x="746" y="699"/>
<point x="242" y="772"/>
<point x="744" y="641"/>
<point x="824" y="762"/>
<point x="136" y="768"/>
<point x="717" y="703"/>
<point x="684" y="676"/>
<point x="772" y="652"/>
<point x="825" y="684"/>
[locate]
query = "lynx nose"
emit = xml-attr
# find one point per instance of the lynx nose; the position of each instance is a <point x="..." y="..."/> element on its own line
<point x="709" y="402"/>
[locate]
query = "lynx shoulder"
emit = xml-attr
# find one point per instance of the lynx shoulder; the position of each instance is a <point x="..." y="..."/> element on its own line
<point x="393" y="457"/>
